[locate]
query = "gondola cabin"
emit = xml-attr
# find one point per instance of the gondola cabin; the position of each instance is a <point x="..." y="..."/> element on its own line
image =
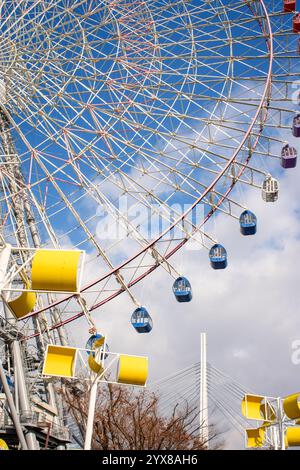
<point x="182" y="290"/>
<point x="218" y="257"/>
<point x="270" y="189"/>
<point x="9" y="382"/>
<point x="296" y="126"/>
<point x="248" y="223"/>
<point x="288" y="157"/>
<point x="296" y="23"/>
<point x="141" y="320"/>
<point x="92" y="344"/>
<point x="289" y="6"/>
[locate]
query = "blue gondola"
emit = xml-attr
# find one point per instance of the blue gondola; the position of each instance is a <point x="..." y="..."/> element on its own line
<point x="141" y="320"/>
<point x="248" y="223"/>
<point x="9" y="382"/>
<point x="182" y="290"/>
<point x="90" y="344"/>
<point x="218" y="257"/>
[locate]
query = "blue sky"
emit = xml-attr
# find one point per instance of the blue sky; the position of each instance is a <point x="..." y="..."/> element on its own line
<point x="250" y="310"/>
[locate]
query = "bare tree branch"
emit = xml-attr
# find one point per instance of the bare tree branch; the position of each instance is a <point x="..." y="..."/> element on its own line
<point x="127" y="419"/>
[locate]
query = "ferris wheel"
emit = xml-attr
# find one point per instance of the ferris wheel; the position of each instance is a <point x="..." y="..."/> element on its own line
<point x="119" y="108"/>
<point x="158" y="104"/>
<point x="119" y="119"/>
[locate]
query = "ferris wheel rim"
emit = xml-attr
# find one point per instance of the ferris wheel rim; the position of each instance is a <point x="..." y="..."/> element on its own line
<point x="263" y="104"/>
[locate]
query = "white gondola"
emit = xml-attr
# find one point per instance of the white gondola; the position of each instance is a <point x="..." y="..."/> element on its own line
<point x="270" y="189"/>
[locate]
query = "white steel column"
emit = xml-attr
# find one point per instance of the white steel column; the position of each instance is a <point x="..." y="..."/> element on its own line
<point x="14" y="413"/>
<point x="18" y="367"/>
<point x="203" y="415"/>
<point x="281" y="429"/>
<point x="23" y="394"/>
<point x="91" y="414"/>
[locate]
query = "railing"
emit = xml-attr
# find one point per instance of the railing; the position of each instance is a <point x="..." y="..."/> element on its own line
<point x="28" y="418"/>
<point x="40" y="421"/>
<point x="60" y="432"/>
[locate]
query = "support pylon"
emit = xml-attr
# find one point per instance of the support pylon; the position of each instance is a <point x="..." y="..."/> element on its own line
<point x="203" y="415"/>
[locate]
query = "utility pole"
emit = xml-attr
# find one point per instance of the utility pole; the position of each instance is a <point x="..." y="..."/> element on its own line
<point x="203" y="415"/>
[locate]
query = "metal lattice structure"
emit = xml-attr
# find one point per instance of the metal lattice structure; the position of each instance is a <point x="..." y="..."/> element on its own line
<point x="160" y="103"/>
